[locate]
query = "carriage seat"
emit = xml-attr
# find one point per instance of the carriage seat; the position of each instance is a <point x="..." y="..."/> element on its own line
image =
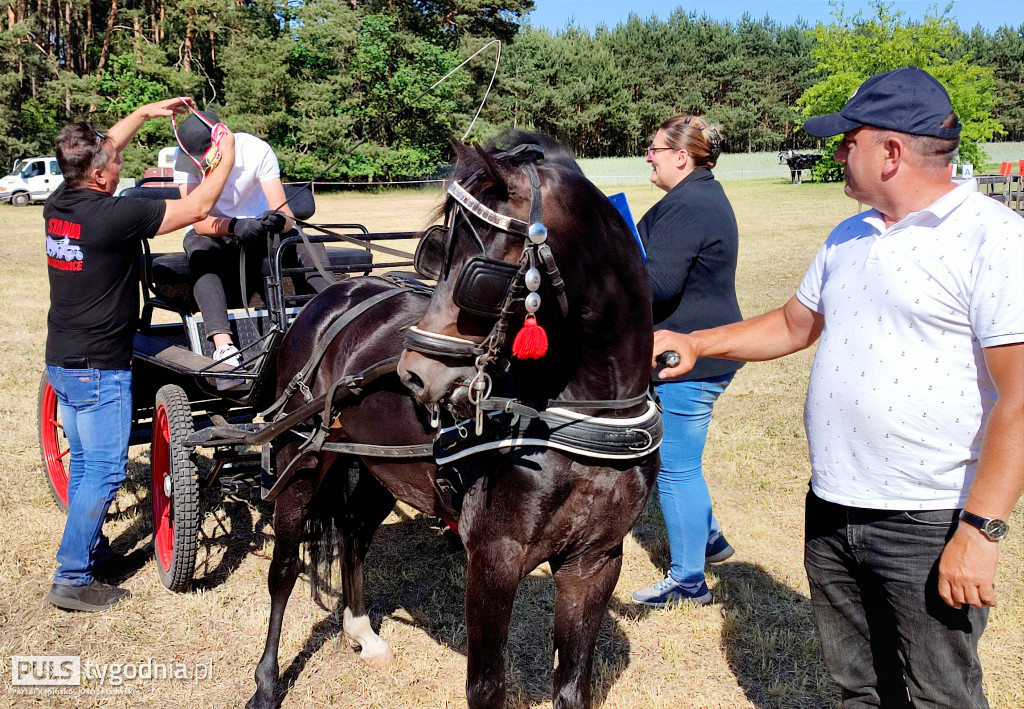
<point x="171" y="281"/>
<point x="168" y="274"/>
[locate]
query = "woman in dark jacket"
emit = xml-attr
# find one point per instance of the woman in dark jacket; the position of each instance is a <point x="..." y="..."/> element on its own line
<point x="691" y="241"/>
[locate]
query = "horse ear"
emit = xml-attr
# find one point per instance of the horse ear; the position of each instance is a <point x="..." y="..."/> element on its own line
<point x="502" y="179"/>
<point x="458" y="147"/>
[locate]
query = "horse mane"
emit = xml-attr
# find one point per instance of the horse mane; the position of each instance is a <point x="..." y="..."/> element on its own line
<point x="506" y="142"/>
<point x="469" y="163"/>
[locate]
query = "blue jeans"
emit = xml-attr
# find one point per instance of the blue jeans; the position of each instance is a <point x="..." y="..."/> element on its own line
<point x="96" y="411"/>
<point x="685" y="500"/>
<point x="885" y="632"/>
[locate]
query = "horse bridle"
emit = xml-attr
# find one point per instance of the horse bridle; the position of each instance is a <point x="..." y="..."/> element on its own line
<point x="487" y="287"/>
<point x="491" y="288"/>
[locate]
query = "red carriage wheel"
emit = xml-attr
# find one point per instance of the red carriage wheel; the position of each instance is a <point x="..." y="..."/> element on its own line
<point x="53" y="444"/>
<point x="175" y="489"/>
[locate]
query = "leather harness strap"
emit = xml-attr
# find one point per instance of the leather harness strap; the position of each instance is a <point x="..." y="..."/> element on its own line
<point x="305" y="375"/>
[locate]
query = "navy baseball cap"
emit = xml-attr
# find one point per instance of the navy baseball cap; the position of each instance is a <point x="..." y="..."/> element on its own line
<point x="194" y="136"/>
<point x="907" y="100"/>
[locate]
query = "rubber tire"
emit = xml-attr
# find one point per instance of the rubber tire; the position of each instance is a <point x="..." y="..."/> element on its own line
<point x="53" y="445"/>
<point x="175" y="518"/>
<point x="21" y="199"/>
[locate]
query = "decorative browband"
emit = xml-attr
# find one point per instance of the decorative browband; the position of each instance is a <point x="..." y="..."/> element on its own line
<point x="500" y="221"/>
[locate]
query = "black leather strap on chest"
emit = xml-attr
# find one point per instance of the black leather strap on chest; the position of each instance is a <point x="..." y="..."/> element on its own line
<point x="558" y="429"/>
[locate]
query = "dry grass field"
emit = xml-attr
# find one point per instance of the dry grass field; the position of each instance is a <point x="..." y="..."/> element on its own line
<point x="755" y="646"/>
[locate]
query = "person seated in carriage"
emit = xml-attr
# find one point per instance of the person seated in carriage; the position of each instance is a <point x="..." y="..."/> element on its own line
<point x="251" y="211"/>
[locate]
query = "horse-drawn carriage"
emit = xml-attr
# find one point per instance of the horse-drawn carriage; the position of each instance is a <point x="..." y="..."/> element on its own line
<point x="174" y="387"/>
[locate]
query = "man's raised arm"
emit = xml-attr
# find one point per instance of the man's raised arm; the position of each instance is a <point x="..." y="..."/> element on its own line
<point x="122" y="132"/>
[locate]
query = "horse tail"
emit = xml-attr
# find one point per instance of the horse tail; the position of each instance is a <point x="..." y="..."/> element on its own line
<point x="324" y="540"/>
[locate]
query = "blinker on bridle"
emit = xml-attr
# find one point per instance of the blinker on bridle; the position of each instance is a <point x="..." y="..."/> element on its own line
<point x="486" y="286"/>
<point x="490" y="287"/>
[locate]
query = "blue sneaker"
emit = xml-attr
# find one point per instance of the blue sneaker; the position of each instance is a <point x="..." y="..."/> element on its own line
<point x="718" y="550"/>
<point x="668" y="590"/>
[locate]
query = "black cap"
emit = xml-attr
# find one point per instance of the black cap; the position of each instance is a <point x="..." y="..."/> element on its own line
<point x="907" y="100"/>
<point x="194" y="136"/>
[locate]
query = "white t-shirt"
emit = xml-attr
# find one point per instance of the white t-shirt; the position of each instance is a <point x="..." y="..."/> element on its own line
<point x="899" y="394"/>
<point x="243" y="195"/>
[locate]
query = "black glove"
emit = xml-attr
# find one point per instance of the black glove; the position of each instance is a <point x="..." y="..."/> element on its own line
<point x="246" y="230"/>
<point x="274" y="222"/>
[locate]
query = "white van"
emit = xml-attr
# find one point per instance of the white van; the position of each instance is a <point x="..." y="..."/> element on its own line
<point x="31" y="180"/>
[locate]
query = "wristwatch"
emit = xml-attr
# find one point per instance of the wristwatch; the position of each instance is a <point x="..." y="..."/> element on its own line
<point x="993" y="528"/>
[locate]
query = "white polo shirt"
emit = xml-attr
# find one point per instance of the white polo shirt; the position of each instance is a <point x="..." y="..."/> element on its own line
<point x="899" y="393"/>
<point x="243" y="194"/>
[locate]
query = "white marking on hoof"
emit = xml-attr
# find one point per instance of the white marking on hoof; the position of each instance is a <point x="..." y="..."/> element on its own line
<point x="374" y="651"/>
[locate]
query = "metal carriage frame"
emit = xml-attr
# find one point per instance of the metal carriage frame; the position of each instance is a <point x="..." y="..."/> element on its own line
<point x="174" y="378"/>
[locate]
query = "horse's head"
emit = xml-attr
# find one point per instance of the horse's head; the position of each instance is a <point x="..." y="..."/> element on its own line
<point x="522" y="231"/>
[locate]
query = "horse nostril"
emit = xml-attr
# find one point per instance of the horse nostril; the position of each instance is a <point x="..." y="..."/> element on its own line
<point x="412" y="381"/>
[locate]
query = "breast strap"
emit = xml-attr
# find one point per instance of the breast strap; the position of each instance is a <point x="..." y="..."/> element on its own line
<point x="558" y="429"/>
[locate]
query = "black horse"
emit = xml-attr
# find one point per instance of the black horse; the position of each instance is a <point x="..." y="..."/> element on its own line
<point x="566" y="455"/>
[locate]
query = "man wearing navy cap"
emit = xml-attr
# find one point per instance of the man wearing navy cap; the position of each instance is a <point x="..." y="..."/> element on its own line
<point x="915" y="405"/>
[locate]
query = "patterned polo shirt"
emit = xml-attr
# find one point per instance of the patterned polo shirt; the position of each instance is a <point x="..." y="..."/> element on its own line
<point x="899" y="393"/>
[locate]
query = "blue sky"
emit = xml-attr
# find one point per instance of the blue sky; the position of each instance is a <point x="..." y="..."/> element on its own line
<point x="555" y="14"/>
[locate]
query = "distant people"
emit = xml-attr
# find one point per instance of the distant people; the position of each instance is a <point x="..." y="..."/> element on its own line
<point x="93" y="249"/>
<point x="691" y="241"/>
<point x="915" y="407"/>
<point x="241" y="219"/>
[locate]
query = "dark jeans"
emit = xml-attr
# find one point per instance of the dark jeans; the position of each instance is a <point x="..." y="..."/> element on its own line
<point x="213" y="263"/>
<point x="885" y="632"/>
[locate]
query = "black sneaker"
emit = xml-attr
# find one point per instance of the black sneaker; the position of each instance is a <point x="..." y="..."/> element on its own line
<point x="96" y="596"/>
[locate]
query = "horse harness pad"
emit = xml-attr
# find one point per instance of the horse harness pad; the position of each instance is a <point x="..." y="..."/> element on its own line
<point x="559" y="429"/>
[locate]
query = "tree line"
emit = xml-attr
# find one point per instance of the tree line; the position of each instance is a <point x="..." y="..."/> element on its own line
<point x="328" y="82"/>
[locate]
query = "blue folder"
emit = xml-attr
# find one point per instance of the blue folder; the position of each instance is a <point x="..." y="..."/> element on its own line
<point x="620" y="203"/>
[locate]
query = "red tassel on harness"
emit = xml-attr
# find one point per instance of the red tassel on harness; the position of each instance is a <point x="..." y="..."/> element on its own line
<point x="531" y="342"/>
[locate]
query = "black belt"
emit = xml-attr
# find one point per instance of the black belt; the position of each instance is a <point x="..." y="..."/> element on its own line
<point x="75" y="363"/>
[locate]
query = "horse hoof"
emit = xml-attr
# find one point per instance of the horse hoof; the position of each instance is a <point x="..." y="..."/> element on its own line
<point x="380" y="660"/>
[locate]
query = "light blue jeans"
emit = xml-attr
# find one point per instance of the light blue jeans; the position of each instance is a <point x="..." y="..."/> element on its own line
<point x="96" y="411"/>
<point x="685" y="500"/>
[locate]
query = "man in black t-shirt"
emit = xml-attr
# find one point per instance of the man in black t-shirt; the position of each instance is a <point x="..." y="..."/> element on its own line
<point x="93" y="243"/>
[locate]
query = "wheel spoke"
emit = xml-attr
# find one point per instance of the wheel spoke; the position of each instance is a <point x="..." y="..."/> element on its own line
<point x="61" y="455"/>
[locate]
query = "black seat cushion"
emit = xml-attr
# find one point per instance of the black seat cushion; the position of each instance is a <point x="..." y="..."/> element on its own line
<point x="152" y="192"/>
<point x="171" y="280"/>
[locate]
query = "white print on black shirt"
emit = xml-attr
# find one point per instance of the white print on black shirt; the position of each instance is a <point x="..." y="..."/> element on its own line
<point x="62" y="254"/>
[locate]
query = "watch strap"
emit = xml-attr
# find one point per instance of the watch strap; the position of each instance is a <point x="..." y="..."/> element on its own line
<point x="994" y="529"/>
